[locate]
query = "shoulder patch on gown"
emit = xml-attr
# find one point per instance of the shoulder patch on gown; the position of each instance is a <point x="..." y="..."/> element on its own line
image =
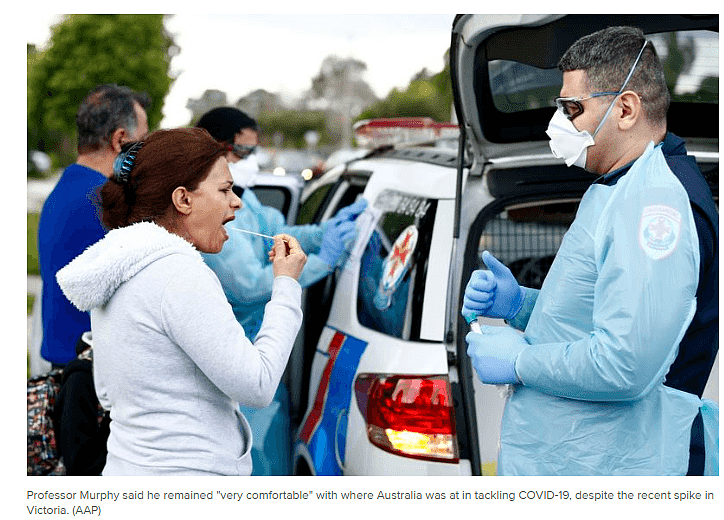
<point x="659" y="231"/>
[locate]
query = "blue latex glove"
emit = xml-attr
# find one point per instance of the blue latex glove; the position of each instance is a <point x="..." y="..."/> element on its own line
<point x="350" y="212"/>
<point x="493" y="353"/>
<point x="337" y="237"/>
<point x="494" y="293"/>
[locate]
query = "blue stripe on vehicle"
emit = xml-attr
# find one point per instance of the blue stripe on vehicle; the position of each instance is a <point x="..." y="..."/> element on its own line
<point x="321" y="444"/>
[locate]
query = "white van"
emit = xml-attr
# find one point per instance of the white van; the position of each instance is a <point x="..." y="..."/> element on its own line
<point x="380" y="380"/>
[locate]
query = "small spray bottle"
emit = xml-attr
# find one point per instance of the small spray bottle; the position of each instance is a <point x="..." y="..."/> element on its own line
<point x="472" y="320"/>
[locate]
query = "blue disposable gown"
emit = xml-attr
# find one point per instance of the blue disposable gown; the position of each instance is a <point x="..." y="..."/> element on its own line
<point x="603" y="333"/>
<point x="246" y="275"/>
<point x="243" y="265"/>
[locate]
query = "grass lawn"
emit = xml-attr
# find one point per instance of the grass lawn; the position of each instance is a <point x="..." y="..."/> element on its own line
<point x="33" y="267"/>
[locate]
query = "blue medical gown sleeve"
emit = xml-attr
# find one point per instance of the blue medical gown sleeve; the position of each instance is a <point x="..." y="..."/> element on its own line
<point x="243" y="266"/>
<point x="642" y="299"/>
<point x="246" y="274"/>
<point x="270" y="221"/>
<point x="309" y="236"/>
<point x="520" y="320"/>
<point x="710" y="416"/>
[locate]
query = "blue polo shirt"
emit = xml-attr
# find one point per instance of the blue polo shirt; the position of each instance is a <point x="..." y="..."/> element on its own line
<point x="697" y="350"/>
<point x="69" y="223"/>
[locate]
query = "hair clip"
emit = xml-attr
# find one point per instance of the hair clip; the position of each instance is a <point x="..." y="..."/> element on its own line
<point x="123" y="164"/>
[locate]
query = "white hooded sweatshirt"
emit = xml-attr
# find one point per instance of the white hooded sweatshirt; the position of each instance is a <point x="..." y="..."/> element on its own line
<point x="171" y="362"/>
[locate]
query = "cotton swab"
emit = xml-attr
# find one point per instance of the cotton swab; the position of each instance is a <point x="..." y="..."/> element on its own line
<point x="286" y="243"/>
<point x="251" y="232"/>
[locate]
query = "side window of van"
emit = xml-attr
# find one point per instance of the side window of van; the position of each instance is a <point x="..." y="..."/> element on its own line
<point x="393" y="266"/>
<point x="310" y="207"/>
<point x="277" y="197"/>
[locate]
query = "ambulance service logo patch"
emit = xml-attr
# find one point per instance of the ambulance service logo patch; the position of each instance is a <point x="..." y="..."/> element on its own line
<point x="659" y="231"/>
<point x="395" y="267"/>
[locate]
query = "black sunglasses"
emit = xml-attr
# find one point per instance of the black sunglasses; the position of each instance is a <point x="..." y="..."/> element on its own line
<point x="571" y="107"/>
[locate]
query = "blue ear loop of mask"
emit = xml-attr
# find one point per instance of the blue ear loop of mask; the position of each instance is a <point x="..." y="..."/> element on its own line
<point x="630" y="73"/>
<point x="570" y="143"/>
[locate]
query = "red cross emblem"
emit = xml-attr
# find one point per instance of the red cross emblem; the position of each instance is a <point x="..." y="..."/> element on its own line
<point x="400" y="252"/>
<point x="400" y="256"/>
<point x="660" y="228"/>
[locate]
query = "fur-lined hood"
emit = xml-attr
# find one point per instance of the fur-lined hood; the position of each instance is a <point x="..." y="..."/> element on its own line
<point x="92" y="277"/>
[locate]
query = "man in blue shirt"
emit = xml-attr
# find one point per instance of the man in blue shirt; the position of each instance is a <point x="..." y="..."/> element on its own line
<point x="107" y="118"/>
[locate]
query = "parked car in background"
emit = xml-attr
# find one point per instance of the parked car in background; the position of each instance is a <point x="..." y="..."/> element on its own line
<point x="282" y="192"/>
<point x="302" y="163"/>
<point x="379" y="378"/>
<point x="39" y="163"/>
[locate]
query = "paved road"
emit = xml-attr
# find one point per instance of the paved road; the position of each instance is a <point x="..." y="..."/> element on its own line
<point x="38" y="190"/>
<point x="34" y="284"/>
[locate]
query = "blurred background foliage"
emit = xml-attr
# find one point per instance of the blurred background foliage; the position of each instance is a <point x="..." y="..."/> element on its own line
<point x="428" y="95"/>
<point x="89" y="50"/>
<point x="136" y="50"/>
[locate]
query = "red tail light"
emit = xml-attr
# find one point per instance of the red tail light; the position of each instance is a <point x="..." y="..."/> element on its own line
<point x="409" y="415"/>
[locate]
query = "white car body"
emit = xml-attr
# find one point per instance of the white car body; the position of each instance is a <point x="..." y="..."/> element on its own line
<point x="383" y="353"/>
<point x="513" y="198"/>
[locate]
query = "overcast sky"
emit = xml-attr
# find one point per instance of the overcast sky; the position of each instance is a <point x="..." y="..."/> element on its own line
<point x="280" y="53"/>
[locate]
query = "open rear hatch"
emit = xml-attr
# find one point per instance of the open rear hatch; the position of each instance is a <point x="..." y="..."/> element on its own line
<point x="505" y="75"/>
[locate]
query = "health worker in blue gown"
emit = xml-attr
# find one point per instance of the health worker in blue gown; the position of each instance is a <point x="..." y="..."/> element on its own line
<point x="245" y="272"/>
<point x="618" y="344"/>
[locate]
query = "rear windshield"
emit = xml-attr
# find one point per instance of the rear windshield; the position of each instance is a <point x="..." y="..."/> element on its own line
<point x="690" y="58"/>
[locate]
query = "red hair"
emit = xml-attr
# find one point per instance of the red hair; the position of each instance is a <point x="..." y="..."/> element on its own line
<point x="168" y="159"/>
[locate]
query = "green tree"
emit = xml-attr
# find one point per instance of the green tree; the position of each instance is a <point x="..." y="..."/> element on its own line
<point x="85" y="51"/>
<point x="293" y="125"/>
<point x="425" y="96"/>
<point x="340" y="89"/>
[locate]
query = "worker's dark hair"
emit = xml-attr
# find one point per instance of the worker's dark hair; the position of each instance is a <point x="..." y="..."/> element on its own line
<point x="607" y="56"/>
<point x="225" y="122"/>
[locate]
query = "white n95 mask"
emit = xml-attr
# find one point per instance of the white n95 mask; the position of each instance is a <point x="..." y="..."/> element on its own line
<point x="567" y="142"/>
<point x="244" y="171"/>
